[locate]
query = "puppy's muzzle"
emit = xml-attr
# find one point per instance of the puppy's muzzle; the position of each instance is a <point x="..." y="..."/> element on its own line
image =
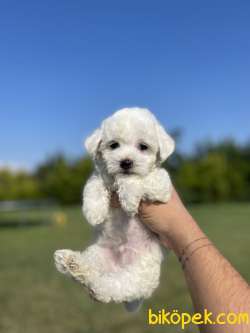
<point x="126" y="164"/>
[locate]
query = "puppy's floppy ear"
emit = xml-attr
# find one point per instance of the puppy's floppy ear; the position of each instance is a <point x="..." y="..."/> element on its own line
<point x="165" y="142"/>
<point x="92" y="142"/>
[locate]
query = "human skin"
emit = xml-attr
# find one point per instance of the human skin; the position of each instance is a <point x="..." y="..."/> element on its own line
<point x="212" y="281"/>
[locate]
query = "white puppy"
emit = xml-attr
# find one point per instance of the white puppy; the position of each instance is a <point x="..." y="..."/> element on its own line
<point x="123" y="264"/>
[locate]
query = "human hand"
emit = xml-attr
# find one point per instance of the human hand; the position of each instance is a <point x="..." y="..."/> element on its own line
<point x="168" y="220"/>
<point x="164" y="218"/>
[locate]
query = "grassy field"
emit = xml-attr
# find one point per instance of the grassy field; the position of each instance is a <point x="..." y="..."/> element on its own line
<point x="35" y="298"/>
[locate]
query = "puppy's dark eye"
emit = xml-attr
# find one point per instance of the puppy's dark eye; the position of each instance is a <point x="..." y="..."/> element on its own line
<point x="113" y="145"/>
<point x="143" y="146"/>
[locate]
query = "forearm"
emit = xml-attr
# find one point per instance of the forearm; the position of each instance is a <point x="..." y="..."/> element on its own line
<point x="214" y="284"/>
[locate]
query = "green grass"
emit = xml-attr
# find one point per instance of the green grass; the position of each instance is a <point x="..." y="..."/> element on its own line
<point x="35" y="298"/>
<point x="27" y="217"/>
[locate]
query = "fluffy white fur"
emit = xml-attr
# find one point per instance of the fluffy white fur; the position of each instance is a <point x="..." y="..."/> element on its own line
<point x="123" y="264"/>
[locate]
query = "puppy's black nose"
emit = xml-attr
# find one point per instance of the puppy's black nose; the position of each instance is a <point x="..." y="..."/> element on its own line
<point x="126" y="164"/>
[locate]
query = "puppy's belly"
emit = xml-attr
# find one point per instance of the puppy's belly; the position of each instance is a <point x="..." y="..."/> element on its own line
<point x="128" y="240"/>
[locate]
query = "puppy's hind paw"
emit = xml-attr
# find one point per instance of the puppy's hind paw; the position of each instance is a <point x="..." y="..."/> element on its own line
<point x="133" y="306"/>
<point x="64" y="261"/>
<point x="68" y="262"/>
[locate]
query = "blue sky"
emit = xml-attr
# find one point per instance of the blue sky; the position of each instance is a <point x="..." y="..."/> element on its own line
<point x="66" y="65"/>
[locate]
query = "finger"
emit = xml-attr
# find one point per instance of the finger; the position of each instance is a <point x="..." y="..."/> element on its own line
<point x="148" y="206"/>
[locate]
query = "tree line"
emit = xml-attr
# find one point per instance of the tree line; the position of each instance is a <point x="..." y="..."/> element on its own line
<point x="213" y="172"/>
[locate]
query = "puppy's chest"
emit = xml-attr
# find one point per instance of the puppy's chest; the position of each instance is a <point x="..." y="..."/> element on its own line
<point x="123" y="230"/>
<point x="114" y="184"/>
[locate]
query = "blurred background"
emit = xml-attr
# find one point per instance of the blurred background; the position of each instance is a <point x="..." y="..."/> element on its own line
<point x="65" y="66"/>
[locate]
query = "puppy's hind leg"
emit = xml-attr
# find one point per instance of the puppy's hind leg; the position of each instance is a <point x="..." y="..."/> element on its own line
<point x="133" y="306"/>
<point x="68" y="262"/>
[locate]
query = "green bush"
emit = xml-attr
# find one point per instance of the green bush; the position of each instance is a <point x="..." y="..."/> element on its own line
<point x="18" y="185"/>
<point x="62" y="179"/>
<point x="215" y="173"/>
<point x="212" y="173"/>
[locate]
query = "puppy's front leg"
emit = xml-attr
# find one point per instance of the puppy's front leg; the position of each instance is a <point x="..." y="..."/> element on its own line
<point x="157" y="186"/>
<point x="95" y="200"/>
<point x="130" y="191"/>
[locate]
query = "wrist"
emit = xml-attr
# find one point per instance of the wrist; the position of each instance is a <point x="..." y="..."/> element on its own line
<point x="182" y="232"/>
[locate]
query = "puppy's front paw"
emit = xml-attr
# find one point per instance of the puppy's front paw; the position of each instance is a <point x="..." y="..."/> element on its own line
<point x="130" y="194"/>
<point x="95" y="201"/>
<point x="129" y="204"/>
<point x="95" y="216"/>
<point x="157" y="186"/>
